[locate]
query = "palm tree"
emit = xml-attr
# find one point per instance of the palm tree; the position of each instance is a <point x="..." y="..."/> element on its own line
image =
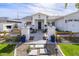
<point x="76" y="5"/>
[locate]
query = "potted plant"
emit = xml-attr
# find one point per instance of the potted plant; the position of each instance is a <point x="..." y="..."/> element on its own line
<point x="23" y="38"/>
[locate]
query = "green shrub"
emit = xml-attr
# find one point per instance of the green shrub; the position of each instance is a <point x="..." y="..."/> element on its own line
<point x="16" y="38"/>
<point x="15" y="26"/>
<point x="29" y="49"/>
<point x="13" y="38"/>
<point x="72" y="39"/>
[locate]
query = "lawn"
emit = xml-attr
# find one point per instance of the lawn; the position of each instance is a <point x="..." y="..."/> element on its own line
<point x="7" y="49"/>
<point x="70" y="49"/>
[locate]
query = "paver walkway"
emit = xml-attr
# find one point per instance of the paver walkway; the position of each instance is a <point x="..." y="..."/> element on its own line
<point x="38" y="50"/>
<point x="35" y="52"/>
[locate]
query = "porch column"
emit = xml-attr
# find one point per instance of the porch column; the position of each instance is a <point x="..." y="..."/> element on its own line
<point x="45" y="21"/>
<point x="33" y="21"/>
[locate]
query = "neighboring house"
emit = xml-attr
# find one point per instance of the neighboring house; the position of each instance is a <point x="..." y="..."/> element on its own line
<point x="7" y="24"/>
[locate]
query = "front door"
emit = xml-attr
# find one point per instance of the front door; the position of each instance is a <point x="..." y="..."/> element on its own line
<point x="39" y="25"/>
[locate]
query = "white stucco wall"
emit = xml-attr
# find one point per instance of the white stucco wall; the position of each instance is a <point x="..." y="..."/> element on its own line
<point x="36" y="17"/>
<point x="4" y="28"/>
<point x="69" y="26"/>
<point x="8" y="24"/>
<point x="22" y="25"/>
<point x="61" y="25"/>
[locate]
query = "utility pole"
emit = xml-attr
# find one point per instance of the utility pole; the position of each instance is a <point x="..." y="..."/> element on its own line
<point x="17" y="14"/>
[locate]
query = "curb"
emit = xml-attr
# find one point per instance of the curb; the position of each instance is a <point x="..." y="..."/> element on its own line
<point x="15" y="50"/>
<point x="60" y="50"/>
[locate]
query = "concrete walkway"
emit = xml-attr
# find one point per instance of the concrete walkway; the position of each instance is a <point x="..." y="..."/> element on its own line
<point x="38" y="35"/>
<point x="39" y="44"/>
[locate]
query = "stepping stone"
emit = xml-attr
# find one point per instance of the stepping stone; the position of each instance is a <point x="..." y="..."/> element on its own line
<point x="33" y="52"/>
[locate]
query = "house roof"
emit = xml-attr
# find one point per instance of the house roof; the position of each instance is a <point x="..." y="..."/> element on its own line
<point x="27" y="17"/>
<point x="6" y="19"/>
<point x="49" y="17"/>
<point x="39" y="14"/>
<point x="67" y="15"/>
<point x="13" y="21"/>
<point x="53" y="17"/>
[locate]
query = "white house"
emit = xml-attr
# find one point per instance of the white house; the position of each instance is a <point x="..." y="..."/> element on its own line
<point x="64" y="23"/>
<point x="39" y="20"/>
<point x="7" y="24"/>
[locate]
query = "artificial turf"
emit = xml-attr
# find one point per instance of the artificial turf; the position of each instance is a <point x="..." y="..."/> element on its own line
<point x="7" y="49"/>
<point x="70" y="49"/>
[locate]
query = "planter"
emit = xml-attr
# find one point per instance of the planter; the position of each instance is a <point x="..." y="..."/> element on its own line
<point x="23" y="38"/>
<point x="52" y="38"/>
<point x="31" y="38"/>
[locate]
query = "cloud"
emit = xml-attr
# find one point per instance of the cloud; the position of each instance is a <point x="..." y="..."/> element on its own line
<point x="7" y="12"/>
<point x="25" y="9"/>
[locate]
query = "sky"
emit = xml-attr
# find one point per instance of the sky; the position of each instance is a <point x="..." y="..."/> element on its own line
<point x="11" y="10"/>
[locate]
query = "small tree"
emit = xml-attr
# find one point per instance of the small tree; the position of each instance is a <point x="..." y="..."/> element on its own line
<point x="76" y="5"/>
<point x="15" y="26"/>
<point x="16" y="29"/>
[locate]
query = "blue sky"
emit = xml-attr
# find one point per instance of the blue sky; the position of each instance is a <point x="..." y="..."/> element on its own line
<point x="26" y="9"/>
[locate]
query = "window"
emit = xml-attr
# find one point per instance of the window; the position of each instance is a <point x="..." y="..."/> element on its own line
<point x="76" y="20"/>
<point x="53" y="23"/>
<point x="46" y="16"/>
<point x="28" y="23"/>
<point x="31" y="18"/>
<point x="65" y="21"/>
<point x="8" y="27"/>
<point x="38" y="16"/>
<point x="48" y="23"/>
<point x="70" y="20"/>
